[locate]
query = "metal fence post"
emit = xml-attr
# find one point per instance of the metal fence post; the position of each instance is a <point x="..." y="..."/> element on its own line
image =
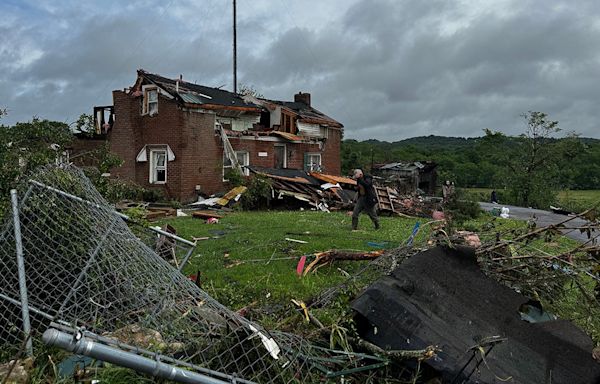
<point x="21" y="268"/>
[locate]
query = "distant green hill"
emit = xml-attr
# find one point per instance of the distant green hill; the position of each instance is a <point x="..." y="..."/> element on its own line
<point x="437" y="141"/>
<point x="467" y="160"/>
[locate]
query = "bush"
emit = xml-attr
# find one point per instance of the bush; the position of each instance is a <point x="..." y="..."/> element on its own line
<point x="111" y="189"/>
<point x="258" y="194"/>
<point x="461" y="208"/>
<point x="234" y="177"/>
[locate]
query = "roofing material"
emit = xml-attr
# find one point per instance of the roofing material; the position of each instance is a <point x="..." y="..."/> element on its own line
<point x="208" y="97"/>
<point x="441" y="297"/>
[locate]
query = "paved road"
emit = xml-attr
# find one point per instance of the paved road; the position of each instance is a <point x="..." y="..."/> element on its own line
<point x="543" y="218"/>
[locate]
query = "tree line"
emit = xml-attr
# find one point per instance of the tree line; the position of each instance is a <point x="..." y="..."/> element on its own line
<point x="531" y="167"/>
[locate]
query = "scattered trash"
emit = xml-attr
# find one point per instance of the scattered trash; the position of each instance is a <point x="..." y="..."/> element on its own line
<point x="302" y="306"/>
<point x="470" y="238"/>
<point x="212" y="220"/>
<point x="75" y="366"/>
<point x="234" y="263"/>
<point x="300" y="266"/>
<point x="180" y="213"/>
<point x="296" y="241"/>
<point x="504" y="213"/>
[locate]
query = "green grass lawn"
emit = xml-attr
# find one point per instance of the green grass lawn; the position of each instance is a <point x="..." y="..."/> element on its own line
<point x="248" y="261"/>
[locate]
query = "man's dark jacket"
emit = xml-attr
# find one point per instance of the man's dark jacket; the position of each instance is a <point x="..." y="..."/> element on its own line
<point x="365" y="188"/>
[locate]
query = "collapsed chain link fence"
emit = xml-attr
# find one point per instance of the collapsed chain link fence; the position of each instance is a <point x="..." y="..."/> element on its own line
<point x="87" y="273"/>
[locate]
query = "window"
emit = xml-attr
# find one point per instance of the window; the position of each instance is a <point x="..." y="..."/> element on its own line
<point x="158" y="166"/>
<point x="243" y="159"/>
<point x="150" y="101"/>
<point x="312" y="162"/>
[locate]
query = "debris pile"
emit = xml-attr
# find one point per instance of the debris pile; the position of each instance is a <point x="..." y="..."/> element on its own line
<point x="312" y="190"/>
<point x="315" y="190"/>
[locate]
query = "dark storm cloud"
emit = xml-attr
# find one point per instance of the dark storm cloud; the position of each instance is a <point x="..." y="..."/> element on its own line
<point x="386" y="69"/>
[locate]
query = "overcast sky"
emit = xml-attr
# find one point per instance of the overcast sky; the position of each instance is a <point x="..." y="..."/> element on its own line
<point x="386" y="69"/>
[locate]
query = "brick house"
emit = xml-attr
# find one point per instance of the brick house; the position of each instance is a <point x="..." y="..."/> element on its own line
<point x="183" y="138"/>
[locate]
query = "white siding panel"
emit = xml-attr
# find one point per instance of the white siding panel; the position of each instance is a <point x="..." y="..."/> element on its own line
<point x="312" y="130"/>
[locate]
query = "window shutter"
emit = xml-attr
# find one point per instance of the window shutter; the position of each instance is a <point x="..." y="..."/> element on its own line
<point x="306" y="162"/>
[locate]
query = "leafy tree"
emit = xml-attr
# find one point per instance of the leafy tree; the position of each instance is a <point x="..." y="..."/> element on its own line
<point x="25" y="146"/>
<point x="533" y="161"/>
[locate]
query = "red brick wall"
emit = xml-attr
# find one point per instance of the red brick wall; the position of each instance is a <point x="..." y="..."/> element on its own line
<point x="198" y="150"/>
<point x="330" y="152"/>
<point x="121" y="137"/>
<point x="201" y="156"/>
<point x="330" y="159"/>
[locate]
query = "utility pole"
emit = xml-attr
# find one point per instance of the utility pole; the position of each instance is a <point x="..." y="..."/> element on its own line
<point x="234" y="48"/>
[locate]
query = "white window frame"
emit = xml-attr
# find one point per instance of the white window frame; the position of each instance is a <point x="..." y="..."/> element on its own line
<point x="150" y="107"/>
<point x="312" y="166"/>
<point x="154" y="167"/>
<point x="243" y="160"/>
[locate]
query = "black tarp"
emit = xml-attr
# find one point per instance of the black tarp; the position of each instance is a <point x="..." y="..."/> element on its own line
<point x="441" y="297"/>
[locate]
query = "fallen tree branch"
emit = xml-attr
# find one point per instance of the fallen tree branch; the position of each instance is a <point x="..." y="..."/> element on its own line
<point x="332" y="255"/>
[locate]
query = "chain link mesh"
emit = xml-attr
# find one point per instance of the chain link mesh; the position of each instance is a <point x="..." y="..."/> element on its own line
<point x="86" y="268"/>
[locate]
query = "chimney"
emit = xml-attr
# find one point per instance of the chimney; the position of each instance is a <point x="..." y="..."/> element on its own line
<point x="302" y="98"/>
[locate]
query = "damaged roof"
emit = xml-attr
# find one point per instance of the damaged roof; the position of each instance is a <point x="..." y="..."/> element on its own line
<point x="199" y="95"/>
<point x="424" y="166"/>
<point x="306" y="113"/>
<point x="441" y="297"/>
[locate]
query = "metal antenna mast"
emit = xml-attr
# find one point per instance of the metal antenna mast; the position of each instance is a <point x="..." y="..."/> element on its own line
<point x="234" y="49"/>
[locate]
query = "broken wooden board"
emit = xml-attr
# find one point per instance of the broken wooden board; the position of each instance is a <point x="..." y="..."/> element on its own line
<point x="231" y="195"/>
<point x="322" y="258"/>
<point x="332" y="178"/>
<point x="384" y="199"/>
<point x="157" y="213"/>
<point x="206" y="215"/>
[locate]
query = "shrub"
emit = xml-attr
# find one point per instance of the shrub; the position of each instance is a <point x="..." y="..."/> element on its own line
<point x="460" y="209"/>
<point x="258" y="194"/>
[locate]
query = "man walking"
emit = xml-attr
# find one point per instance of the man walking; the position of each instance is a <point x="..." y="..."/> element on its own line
<point x="366" y="199"/>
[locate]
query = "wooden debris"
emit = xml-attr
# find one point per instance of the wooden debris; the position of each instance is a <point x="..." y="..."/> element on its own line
<point x="322" y="258"/>
<point x="153" y="213"/>
<point x="296" y="241"/>
<point x="232" y="194"/>
<point x="206" y="214"/>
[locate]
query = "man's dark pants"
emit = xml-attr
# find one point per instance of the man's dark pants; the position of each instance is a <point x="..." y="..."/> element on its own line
<point x="371" y="211"/>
